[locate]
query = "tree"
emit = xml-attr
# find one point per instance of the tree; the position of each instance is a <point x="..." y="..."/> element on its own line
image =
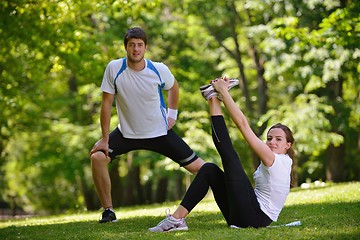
<point x="325" y="68"/>
<point x="297" y="62"/>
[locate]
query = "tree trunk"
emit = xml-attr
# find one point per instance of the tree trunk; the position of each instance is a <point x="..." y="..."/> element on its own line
<point x="129" y="193"/>
<point x="148" y="198"/>
<point x="92" y="202"/>
<point x="116" y="192"/>
<point x="180" y="191"/>
<point x="135" y="175"/>
<point x="358" y="158"/>
<point x="161" y="190"/>
<point x="335" y="163"/>
<point x="294" y="174"/>
<point x="335" y="155"/>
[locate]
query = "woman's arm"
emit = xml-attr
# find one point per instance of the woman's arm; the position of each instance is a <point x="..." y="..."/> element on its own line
<point x="260" y="148"/>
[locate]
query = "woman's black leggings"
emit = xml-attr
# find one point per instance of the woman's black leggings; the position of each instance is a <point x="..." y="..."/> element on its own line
<point x="232" y="189"/>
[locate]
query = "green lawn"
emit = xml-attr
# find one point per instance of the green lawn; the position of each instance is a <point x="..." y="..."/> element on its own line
<point x="329" y="212"/>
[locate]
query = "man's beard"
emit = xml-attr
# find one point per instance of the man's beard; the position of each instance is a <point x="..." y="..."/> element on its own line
<point x="132" y="60"/>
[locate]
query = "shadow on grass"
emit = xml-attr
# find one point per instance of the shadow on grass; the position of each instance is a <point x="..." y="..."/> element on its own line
<point x="319" y="221"/>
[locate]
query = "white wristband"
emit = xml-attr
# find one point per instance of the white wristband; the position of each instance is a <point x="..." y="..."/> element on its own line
<point x="172" y="113"/>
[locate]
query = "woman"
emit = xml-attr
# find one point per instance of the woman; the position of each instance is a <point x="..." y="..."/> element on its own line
<point x="241" y="204"/>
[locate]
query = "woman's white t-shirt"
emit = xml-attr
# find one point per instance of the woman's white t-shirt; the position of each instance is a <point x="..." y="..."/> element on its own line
<point x="138" y="98"/>
<point x="272" y="185"/>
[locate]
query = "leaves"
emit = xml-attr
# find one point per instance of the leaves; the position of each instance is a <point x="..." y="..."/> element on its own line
<point x="299" y="65"/>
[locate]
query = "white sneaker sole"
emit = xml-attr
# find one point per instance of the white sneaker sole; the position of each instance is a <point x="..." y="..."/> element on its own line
<point x="179" y="229"/>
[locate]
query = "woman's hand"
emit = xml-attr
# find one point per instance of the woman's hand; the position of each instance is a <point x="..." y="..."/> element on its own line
<point x="221" y="85"/>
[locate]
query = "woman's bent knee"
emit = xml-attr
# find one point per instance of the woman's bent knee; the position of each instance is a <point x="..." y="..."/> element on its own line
<point x="210" y="167"/>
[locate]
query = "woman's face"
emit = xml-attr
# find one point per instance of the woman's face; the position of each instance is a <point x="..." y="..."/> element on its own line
<point x="276" y="140"/>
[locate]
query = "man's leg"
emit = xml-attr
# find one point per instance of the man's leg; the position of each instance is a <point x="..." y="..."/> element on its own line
<point x="175" y="148"/>
<point x="101" y="177"/>
<point x="195" y="166"/>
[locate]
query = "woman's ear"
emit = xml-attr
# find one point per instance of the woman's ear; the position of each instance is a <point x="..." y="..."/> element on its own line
<point x="288" y="145"/>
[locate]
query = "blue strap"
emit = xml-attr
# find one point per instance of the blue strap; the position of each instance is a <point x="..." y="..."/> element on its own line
<point x="151" y="66"/>
<point x="119" y="72"/>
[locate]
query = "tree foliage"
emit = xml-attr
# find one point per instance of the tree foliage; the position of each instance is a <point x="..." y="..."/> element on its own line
<point x="298" y="63"/>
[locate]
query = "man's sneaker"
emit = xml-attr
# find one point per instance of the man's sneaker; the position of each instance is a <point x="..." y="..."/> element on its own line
<point x="208" y="91"/>
<point x="170" y="224"/>
<point x="108" y="216"/>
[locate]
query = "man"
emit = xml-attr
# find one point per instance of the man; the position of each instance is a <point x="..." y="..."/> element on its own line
<point x="144" y="122"/>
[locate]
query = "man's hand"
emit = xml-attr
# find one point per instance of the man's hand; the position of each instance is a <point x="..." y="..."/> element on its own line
<point x="171" y="122"/>
<point x="171" y="117"/>
<point x="101" y="145"/>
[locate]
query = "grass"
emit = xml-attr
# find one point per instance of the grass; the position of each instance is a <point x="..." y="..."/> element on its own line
<point x="328" y="212"/>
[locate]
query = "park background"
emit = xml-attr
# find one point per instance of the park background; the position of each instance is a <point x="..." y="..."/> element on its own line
<point x="297" y="62"/>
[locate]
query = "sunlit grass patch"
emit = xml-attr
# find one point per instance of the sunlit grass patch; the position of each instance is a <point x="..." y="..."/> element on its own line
<point x="326" y="212"/>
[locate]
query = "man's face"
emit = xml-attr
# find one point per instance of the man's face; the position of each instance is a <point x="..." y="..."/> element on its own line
<point x="135" y="49"/>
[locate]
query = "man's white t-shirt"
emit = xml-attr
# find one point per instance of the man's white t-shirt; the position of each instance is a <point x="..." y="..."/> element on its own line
<point x="138" y="98"/>
<point x="272" y="185"/>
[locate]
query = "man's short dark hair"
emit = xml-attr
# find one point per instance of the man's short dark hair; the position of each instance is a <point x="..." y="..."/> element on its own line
<point x="135" y="32"/>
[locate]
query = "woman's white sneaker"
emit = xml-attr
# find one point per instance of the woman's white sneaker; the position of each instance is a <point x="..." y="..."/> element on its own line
<point x="208" y="91"/>
<point x="170" y="224"/>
